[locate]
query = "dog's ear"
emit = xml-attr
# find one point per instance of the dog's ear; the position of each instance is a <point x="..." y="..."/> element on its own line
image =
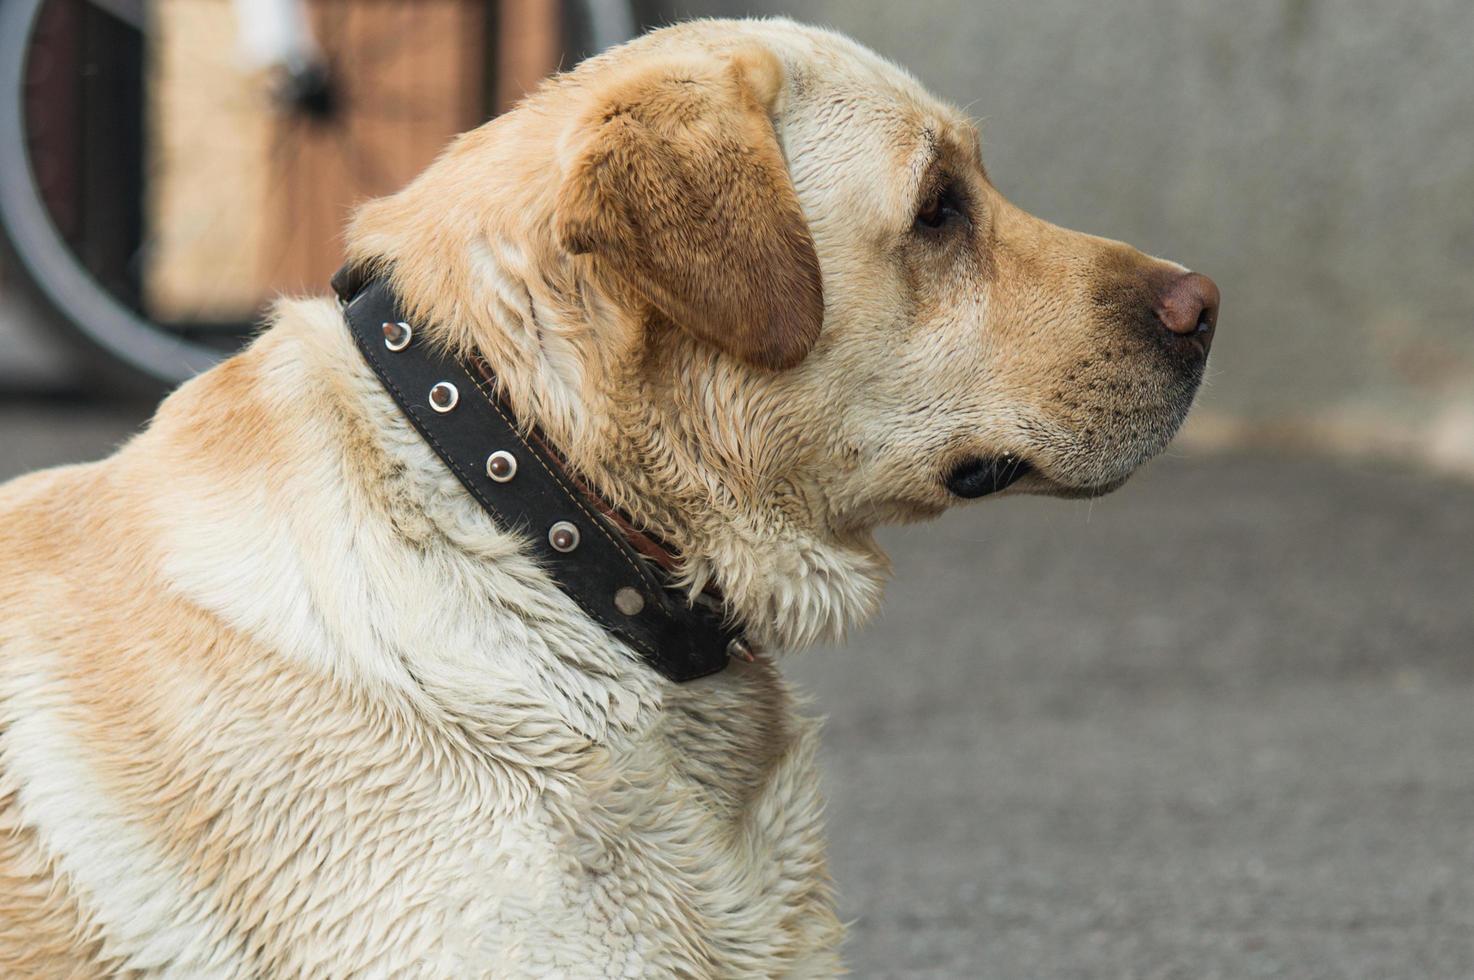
<point x="676" y="186"/>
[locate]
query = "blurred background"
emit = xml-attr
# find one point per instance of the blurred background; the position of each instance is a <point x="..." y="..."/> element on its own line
<point x="1218" y="724"/>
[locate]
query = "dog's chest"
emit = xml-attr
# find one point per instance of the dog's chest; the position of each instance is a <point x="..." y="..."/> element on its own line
<point x="694" y="848"/>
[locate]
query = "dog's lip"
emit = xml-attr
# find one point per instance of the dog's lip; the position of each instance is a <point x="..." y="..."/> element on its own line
<point x="1087" y="491"/>
<point x="979" y="476"/>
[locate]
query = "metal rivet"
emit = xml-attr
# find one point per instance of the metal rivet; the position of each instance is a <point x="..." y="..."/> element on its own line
<point x="563" y="536"/>
<point x="629" y="601"/>
<point x="501" y="466"/>
<point x="443" y="396"/>
<point x="397" y="335"/>
<point x="739" y="647"/>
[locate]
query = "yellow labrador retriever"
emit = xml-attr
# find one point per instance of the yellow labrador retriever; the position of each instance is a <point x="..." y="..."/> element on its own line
<point x="279" y="698"/>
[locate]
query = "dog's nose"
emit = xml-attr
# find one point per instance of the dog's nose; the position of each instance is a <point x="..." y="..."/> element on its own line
<point x="1189" y="307"/>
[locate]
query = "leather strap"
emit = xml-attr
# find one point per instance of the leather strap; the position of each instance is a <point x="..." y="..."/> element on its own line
<point x="680" y="639"/>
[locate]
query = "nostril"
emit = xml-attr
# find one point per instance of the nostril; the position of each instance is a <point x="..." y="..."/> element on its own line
<point x="1189" y="305"/>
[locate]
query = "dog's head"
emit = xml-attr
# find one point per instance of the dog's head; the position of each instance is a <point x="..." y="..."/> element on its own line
<point x="758" y="285"/>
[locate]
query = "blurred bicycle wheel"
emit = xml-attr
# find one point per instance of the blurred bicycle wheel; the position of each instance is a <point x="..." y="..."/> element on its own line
<point x="158" y="190"/>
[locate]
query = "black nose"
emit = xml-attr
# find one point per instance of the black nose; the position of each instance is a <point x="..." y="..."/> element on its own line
<point x="1189" y="307"/>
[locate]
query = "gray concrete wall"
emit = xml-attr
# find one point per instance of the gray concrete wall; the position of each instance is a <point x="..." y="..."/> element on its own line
<point x="1316" y="158"/>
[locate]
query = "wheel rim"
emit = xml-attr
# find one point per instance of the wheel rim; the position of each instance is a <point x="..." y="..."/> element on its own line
<point x="71" y="282"/>
<point x="40" y="248"/>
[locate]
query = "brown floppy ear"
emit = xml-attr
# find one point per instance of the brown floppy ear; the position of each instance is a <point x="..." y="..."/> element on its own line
<point x="677" y="187"/>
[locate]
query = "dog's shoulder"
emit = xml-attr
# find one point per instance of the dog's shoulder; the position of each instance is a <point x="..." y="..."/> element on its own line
<point x="268" y="657"/>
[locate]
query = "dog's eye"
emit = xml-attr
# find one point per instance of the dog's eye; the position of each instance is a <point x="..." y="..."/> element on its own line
<point x="940" y="207"/>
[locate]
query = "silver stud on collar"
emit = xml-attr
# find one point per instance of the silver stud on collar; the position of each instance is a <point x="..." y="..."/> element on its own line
<point x="739" y="648"/>
<point x="501" y="466"/>
<point x="563" y="536"/>
<point x="629" y="601"/>
<point x="443" y="396"/>
<point x="397" y="335"/>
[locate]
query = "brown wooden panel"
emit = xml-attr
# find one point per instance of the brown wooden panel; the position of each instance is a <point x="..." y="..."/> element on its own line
<point x="247" y="200"/>
<point x="412" y="74"/>
<point x="529" y="43"/>
<point x="206" y="189"/>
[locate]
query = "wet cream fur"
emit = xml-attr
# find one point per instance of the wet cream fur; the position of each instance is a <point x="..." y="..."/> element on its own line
<point x="278" y="699"/>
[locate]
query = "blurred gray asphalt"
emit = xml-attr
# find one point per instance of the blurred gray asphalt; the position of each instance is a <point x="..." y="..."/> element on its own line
<point x="1220" y="724"/>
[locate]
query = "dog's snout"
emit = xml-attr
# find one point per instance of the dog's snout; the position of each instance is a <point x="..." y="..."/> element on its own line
<point x="1189" y="307"/>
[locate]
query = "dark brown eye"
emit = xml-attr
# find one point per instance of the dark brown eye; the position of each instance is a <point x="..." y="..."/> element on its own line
<point x="939" y="207"/>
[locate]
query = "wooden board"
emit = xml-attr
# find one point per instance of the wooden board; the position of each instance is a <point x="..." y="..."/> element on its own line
<point x="413" y="77"/>
<point x="246" y="201"/>
<point x="206" y="183"/>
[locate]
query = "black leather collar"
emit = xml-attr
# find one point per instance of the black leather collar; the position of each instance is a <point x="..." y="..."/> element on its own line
<point x="473" y="432"/>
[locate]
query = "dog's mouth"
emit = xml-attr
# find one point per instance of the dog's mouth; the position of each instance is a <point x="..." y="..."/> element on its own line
<point x="978" y="476"/>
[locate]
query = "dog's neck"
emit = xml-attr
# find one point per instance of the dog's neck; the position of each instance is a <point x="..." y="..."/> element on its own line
<point x="694" y="447"/>
<point x="652" y="433"/>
